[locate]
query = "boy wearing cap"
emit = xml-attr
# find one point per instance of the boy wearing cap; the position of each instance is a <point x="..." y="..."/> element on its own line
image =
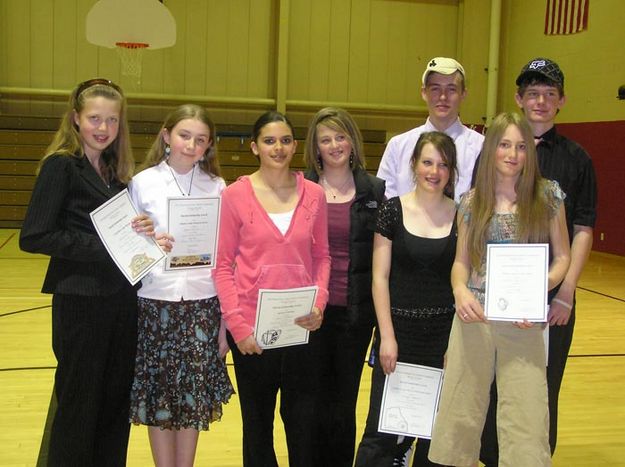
<point x="443" y="91"/>
<point x="540" y="94"/>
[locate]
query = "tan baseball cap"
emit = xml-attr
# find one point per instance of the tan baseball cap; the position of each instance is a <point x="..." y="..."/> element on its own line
<point x="442" y="65"/>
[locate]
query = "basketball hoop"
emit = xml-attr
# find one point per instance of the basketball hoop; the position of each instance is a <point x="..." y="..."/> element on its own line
<point x="131" y="53"/>
<point x="130" y="26"/>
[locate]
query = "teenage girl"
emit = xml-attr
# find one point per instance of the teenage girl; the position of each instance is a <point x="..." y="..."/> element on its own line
<point x="413" y="251"/>
<point x="511" y="203"/>
<point x="335" y="159"/>
<point x="273" y="235"/>
<point x="94" y="308"/>
<point x="180" y="379"/>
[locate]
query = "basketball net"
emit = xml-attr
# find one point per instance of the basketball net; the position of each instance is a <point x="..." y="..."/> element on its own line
<point x="130" y="54"/>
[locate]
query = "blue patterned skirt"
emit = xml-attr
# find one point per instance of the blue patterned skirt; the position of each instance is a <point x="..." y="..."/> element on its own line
<point x="180" y="380"/>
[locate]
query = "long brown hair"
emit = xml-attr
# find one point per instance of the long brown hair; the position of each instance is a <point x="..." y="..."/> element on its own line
<point x="338" y="120"/>
<point x="531" y="202"/>
<point x="116" y="161"/>
<point x="209" y="162"/>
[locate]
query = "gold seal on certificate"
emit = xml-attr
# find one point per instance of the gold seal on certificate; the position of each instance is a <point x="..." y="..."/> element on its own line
<point x="276" y="312"/>
<point x="193" y="222"/>
<point x="410" y="400"/>
<point x="139" y="263"/>
<point x="134" y="253"/>
<point x="516" y="281"/>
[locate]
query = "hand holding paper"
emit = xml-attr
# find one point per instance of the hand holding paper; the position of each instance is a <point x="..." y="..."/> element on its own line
<point x="388" y="354"/>
<point x="249" y="346"/>
<point x="165" y="241"/>
<point x="279" y="313"/>
<point x="143" y="224"/>
<point x="311" y="321"/>
<point x="468" y="307"/>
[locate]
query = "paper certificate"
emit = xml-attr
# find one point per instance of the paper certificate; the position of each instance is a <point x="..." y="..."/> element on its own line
<point x="193" y="222"/>
<point x="134" y="253"/>
<point x="275" y="315"/>
<point x="410" y="400"/>
<point x="516" y="281"/>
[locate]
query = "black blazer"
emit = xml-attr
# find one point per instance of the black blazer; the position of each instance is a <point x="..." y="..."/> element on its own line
<point x="57" y="224"/>
<point x="369" y="195"/>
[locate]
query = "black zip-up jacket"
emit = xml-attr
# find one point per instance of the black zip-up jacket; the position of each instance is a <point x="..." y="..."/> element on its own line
<point x="369" y="195"/>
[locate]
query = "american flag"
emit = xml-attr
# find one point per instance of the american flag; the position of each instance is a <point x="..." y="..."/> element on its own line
<point x="566" y="16"/>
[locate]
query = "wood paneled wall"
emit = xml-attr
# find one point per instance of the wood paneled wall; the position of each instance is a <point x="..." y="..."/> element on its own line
<point x="366" y="51"/>
<point x="222" y="49"/>
<point x="343" y="51"/>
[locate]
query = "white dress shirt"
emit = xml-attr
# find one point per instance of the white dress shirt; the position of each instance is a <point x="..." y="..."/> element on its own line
<point x="149" y="191"/>
<point x="395" y="164"/>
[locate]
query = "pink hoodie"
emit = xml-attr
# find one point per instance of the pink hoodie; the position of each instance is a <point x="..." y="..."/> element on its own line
<point x="253" y="254"/>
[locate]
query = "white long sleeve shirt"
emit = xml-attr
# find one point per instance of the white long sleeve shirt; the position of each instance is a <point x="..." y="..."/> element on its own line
<point x="395" y="164"/>
<point x="149" y="191"/>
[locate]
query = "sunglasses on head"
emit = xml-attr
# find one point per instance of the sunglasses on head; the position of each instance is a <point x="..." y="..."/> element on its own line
<point x="92" y="82"/>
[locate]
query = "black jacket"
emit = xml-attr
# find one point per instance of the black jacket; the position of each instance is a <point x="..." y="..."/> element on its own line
<point x="58" y="224"/>
<point x="369" y="195"/>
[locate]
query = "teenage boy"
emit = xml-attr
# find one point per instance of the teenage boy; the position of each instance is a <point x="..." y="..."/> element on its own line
<point x="540" y="95"/>
<point x="443" y="90"/>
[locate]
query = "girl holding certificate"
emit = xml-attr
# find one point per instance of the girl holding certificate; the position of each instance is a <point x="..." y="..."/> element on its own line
<point x="181" y="379"/>
<point x="273" y="235"/>
<point x="335" y="159"/>
<point x="94" y="308"/>
<point x="413" y="250"/>
<point x="511" y="203"/>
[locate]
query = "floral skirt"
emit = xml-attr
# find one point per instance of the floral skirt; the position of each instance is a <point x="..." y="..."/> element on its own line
<point x="180" y="381"/>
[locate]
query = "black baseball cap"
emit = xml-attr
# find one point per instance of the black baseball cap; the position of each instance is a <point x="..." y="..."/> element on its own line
<point x="542" y="67"/>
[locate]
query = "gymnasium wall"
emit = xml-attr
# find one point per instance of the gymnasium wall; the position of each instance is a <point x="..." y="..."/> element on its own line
<point x="223" y="48"/>
<point x="594" y="67"/>
<point x="367" y="55"/>
<point x="363" y="53"/>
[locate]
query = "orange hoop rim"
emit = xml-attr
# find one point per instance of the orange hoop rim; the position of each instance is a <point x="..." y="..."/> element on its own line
<point x="132" y="45"/>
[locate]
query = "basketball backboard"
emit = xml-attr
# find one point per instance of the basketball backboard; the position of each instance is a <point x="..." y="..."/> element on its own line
<point x="110" y="22"/>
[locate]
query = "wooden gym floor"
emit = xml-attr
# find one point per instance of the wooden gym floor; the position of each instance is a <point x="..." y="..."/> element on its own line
<point x="592" y="401"/>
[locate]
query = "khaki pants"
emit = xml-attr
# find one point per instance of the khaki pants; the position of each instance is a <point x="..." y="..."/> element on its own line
<point x="476" y="352"/>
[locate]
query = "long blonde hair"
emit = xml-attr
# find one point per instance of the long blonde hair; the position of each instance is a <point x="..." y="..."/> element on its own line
<point x="338" y="120"/>
<point x="209" y="162"/>
<point x="531" y="203"/>
<point x="116" y="161"/>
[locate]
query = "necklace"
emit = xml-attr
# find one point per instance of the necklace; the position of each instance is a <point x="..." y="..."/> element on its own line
<point x="178" y="184"/>
<point x="338" y="190"/>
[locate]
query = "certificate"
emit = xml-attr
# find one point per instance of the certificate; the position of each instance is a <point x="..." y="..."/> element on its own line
<point x="193" y="222"/>
<point x="134" y="253"/>
<point x="516" y="281"/>
<point x="275" y="315"/>
<point x="410" y="400"/>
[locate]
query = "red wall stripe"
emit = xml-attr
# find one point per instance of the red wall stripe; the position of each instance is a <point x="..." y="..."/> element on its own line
<point x="605" y="142"/>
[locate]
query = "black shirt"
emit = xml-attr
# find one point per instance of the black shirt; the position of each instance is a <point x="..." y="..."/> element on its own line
<point x="420" y="267"/>
<point x="566" y="162"/>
